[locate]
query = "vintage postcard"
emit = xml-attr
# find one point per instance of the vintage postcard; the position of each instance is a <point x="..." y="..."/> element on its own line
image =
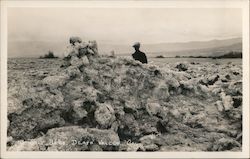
<point x="125" y="79"/>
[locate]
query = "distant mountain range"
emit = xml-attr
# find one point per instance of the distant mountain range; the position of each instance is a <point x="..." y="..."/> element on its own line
<point x="197" y="48"/>
<point x="213" y="51"/>
<point x="194" y="48"/>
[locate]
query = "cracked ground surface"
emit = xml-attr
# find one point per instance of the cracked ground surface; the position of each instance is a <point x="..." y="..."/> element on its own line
<point x="117" y="104"/>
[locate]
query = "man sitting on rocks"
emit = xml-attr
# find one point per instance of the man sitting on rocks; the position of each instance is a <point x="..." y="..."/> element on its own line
<point x="138" y="55"/>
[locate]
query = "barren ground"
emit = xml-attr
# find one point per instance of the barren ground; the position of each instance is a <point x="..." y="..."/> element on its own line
<point x="173" y="107"/>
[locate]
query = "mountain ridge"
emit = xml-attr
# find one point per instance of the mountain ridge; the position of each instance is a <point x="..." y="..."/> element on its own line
<point x="38" y="48"/>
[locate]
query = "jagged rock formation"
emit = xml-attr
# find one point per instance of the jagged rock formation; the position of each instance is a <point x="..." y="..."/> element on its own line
<point x="97" y="103"/>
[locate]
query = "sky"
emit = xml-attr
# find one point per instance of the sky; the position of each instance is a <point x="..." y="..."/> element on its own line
<point x="123" y="25"/>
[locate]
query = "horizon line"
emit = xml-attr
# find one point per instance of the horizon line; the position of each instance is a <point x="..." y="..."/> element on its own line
<point x="213" y="39"/>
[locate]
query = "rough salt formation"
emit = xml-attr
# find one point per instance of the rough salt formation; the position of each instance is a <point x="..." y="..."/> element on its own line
<point x="89" y="102"/>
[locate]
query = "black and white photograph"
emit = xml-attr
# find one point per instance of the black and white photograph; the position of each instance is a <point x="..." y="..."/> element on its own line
<point x="125" y="79"/>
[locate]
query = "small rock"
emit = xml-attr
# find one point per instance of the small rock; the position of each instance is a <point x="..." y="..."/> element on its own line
<point x="32" y="145"/>
<point x="85" y="60"/>
<point x="224" y="80"/>
<point x="235" y="88"/>
<point x="78" y="111"/>
<point x="220" y="106"/>
<point x="175" y="113"/>
<point x="181" y="76"/>
<point x="227" y="101"/>
<point x="93" y="46"/>
<point x="90" y="94"/>
<point x="162" y="125"/>
<point x="187" y="85"/>
<point x="10" y="140"/>
<point x="173" y="82"/>
<point x="161" y="92"/>
<point x="216" y="91"/>
<point x="95" y="147"/>
<point x="131" y="147"/>
<point x="236" y="73"/>
<point x="130" y="106"/>
<point x="72" y="71"/>
<point x="148" y="139"/>
<point x="104" y="115"/>
<point x="148" y="128"/>
<point x="82" y="51"/>
<point x="114" y="126"/>
<point x="55" y="81"/>
<point x="228" y="77"/>
<point x="182" y="67"/>
<point x="204" y="89"/>
<point x="151" y="147"/>
<point x="237" y="100"/>
<point x="224" y="144"/>
<point x="239" y="137"/>
<point x="153" y="108"/>
<point x="75" y="61"/>
<point x="128" y="127"/>
<point x="213" y="79"/>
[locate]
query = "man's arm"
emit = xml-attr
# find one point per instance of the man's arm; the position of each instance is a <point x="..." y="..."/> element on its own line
<point x="145" y="58"/>
<point x="133" y="55"/>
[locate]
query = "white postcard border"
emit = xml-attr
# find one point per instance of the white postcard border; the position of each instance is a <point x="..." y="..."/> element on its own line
<point x="244" y="4"/>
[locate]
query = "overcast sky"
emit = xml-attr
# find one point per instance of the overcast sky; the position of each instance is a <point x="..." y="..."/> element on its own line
<point x="123" y="25"/>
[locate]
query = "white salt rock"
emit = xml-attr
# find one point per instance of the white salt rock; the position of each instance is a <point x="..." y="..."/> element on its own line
<point x="153" y="108"/>
<point x="85" y="60"/>
<point x="75" y="61"/>
<point x="227" y="101"/>
<point x="151" y="147"/>
<point x="213" y="79"/>
<point x="104" y="115"/>
<point x="25" y="146"/>
<point x="81" y="45"/>
<point x="204" y="89"/>
<point x="134" y="146"/>
<point x="78" y="111"/>
<point x="187" y="84"/>
<point x="90" y="51"/>
<point x="74" y="49"/>
<point x="219" y="105"/>
<point x="9" y="139"/>
<point x="175" y="113"/>
<point x="55" y="81"/>
<point x="74" y="39"/>
<point x="216" y="91"/>
<point x="72" y="71"/>
<point x="173" y="82"/>
<point x="93" y="46"/>
<point x="181" y="76"/>
<point x="161" y="91"/>
<point x="147" y="139"/>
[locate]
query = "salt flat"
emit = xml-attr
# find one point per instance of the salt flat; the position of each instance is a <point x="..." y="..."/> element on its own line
<point x="163" y="106"/>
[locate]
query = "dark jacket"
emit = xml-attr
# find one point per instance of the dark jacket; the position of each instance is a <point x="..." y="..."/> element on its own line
<point x="140" y="56"/>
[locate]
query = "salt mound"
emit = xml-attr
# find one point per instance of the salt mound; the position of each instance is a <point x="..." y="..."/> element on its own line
<point x="110" y="101"/>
